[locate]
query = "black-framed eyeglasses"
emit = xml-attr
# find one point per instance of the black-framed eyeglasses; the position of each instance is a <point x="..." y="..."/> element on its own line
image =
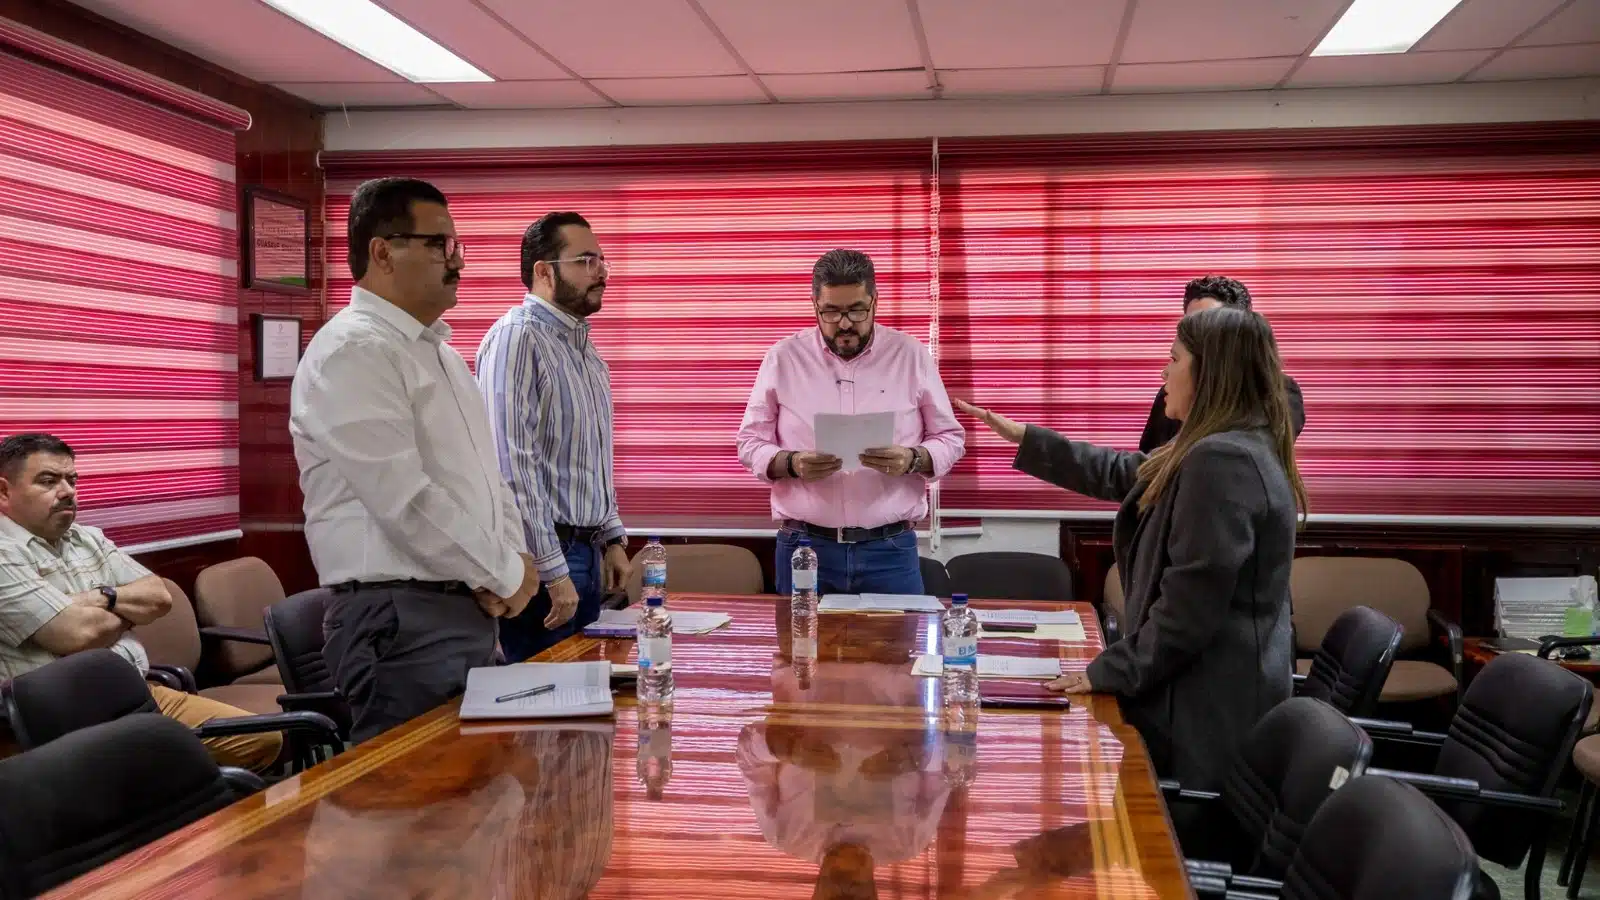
<point x="857" y="314"/>
<point x="592" y="265"/>
<point x="448" y="244"/>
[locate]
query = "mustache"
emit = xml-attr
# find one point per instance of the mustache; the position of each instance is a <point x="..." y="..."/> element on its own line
<point x="64" y="505"/>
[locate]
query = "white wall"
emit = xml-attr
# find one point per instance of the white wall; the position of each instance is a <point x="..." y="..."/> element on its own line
<point x="1027" y="535"/>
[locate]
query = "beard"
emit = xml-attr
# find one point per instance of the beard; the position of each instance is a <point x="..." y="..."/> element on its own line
<point x="579" y="302"/>
<point x="845" y="349"/>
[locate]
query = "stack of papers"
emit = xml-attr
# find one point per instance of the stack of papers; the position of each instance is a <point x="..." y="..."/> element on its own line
<point x="1532" y="607"/>
<point x="1049" y="626"/>
<point x="581" y="689"/>
<point x="683" y="622"/>
<point x="879" y="603"/>
<point x="1043" y="668"/>
<point x="847" y="436"/>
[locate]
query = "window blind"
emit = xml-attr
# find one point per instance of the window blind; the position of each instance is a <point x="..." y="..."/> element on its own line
<point x="712" y="249"/>
<point x="118" y="249"/>
<point x="1436" y="293"/>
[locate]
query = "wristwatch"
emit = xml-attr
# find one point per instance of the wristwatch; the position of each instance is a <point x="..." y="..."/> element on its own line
<point x="620" y="540"/>
<point x="110" y="593"/>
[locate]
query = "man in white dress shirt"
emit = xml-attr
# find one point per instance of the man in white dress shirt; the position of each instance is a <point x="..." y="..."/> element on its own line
<point x="408" y="519"/>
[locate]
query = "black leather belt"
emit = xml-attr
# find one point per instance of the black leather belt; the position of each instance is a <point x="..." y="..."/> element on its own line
<point x="570" y="533"/>
<point x="847" y="535"/>
<point x="443" y="587"/>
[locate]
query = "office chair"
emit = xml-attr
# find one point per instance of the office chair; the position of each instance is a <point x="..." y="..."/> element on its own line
<point x="935" y="580"/>
<point x="294" y="627"/>
<point x="1352" y="662"/>
<point x="1009" y="575"/>
<point x="102" y="791"/>
<point x="176" y="645"/>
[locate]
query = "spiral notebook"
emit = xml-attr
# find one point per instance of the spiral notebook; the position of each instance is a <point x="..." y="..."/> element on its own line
<point x="581" y="689"/>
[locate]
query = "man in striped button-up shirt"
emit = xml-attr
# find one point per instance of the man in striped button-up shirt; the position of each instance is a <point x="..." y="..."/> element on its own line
<point x="549" y="397"/>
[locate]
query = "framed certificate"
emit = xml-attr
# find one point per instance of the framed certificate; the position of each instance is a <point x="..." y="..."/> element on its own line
<point x="276" y="242"/>
<point x="275" y="341"/>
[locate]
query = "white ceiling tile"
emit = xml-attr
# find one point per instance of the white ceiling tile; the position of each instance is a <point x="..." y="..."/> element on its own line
<point x="994" y="34"/>
<point x="1526" y="63"/>
<point x="716" y="90"/>
<point x="1578" y="23"/>
<point x="1387" y="68"/>
<point x="1221" y="75"/>
<point x="333" y="96"/>
<point x="961" y="84"/>
<point x="521" y="94"/>
<point x="1485" y="24"/>
<point x="244" y="36"/>
<point x="477" y="37"/>
<point x="850" y="86"/>
<point x="808" y="37"/>
<point x="621" y="38"/>
<point x="1185" y="30"/>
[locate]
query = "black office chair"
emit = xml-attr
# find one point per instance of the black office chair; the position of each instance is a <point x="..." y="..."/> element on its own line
<point x="1009" y="575"/>
<point x="1497" y="766"/>
<point x="1295" y="756"/>
<point x="935" y="580"/>
<point x="1353" y="661"/>
<point x="102" y="791"/>
<point x="98" y="686"/>
<point x="1379" y="839"/>
<point x="294" y="628"/>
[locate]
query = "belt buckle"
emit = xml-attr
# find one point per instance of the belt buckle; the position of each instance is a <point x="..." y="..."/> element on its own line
<point x="839" y="536"/>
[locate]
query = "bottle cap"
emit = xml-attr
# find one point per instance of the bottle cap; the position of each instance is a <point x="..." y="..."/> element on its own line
<point x="654" y="601"/>
<point x="958" y="599"/>
<point x="655" y="538"/>
<point x="805" y="541"/>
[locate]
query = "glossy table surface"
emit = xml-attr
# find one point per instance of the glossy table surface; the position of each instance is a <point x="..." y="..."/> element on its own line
<point x="840" y="778"/>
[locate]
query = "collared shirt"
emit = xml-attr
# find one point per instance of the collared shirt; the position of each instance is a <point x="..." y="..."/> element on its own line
<point x="396" y="456"/>
<point x="549" y="399"/>
<point x="801" y="377"/>
<point x="36" y="584"/>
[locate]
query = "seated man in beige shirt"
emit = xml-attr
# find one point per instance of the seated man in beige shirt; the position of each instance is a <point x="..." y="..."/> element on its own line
<point x="65" y="588"/>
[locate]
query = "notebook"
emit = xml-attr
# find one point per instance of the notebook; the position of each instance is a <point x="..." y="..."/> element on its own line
<point x="879" y="603"/>
<point x="1044" y="668"/>
<point x="625" y="622"/>
<point x="582" y="689"/>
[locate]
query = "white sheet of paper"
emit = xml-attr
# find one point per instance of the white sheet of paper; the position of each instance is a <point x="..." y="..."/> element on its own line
<point x="683" y="621"/>
<point x="879" y="603"/>
<point x="848" y="436"/>
<point x="280" y="348"/>
<point x="1019" y="667"/>
<point x="1027" y="616"/>
<point x="1068" y="632"/>
<point x="582" y="689"/>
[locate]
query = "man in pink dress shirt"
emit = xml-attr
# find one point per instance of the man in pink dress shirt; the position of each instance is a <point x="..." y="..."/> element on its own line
<point x="860" y="523"/>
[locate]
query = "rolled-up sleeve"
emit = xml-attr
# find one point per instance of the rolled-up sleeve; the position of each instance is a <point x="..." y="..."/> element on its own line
<point x="944" y="437"/>
<point x="758" y="432"/>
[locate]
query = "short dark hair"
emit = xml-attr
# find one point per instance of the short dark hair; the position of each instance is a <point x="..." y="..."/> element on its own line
<point x="16" y="449"/>
<point x="841" y="267"/>
<point x="542" y="241"/>
<point x="1227" y="291"/>
<point x="383" y="206"/>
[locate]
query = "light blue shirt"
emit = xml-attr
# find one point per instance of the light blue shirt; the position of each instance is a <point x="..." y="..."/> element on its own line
<point x="549" y="399"/>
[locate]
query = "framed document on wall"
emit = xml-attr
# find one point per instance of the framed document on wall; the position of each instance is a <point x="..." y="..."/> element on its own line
<point x="276" y="242"/>
<point x="275" y="343"/>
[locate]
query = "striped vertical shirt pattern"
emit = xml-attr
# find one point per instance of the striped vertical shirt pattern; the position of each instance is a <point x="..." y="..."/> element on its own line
<point x="549" y="399"/>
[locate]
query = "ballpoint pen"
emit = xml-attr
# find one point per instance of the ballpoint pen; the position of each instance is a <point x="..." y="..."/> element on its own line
<point x="530" y="692"/>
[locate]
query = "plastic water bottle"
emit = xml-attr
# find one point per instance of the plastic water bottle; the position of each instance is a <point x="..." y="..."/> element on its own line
<point x="655" y="652"/>
<point x="655" y="748"/>
<point x="959" y="648"/>
<point x="803" y="604"/>
<point x="961" y="744"/>
<point x="654" y="560"/>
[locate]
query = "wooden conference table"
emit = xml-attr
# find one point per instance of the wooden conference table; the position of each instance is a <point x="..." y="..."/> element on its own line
<point x="841" y="784"/>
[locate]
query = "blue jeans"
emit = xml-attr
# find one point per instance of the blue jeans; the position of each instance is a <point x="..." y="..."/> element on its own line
<point x="525" y="636"/>
<point x="885" y="566"/>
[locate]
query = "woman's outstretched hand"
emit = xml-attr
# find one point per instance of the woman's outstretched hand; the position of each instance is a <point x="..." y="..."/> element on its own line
<point x="1011" y="431"/>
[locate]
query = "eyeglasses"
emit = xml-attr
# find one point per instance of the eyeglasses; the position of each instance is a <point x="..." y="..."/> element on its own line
<point x="593" y="265"/>
<point x="857" y="314"/>
<point x="448" y="243"/>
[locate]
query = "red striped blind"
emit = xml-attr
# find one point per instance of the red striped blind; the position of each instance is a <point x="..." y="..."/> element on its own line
<point x="712" y="250"/>
<point x="1435" y="292"/>
<point x="118" y="260"/>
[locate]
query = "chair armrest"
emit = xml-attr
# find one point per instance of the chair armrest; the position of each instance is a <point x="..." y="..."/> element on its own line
<point x="329" y="703"/>
<point x="1208" y="886"/>
<point x="1172" y="790"/>
<point x="1552" y="644"/>
<point x="170" y="679"/>
<point x="317" y="724"/>
<point x="1399" y="731"/>
<point x="242" y="635"/>
<point x="1469" y="789"/>
<point x="1255" y="884"/>
<point x="1208" y="867"/>
<point x="1453" y="639"/>
<point x="244" y="781"/>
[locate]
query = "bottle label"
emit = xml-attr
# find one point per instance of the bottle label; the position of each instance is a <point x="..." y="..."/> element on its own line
<point x="804" y="579"/>
<point x="655" y="574"/>
<point x="655" y="652"/>
<point x="961" y="651"/>
<point x="803" y="647"/>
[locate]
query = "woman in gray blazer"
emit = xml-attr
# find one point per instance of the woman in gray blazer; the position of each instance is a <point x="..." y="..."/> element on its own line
<point x="1204" y="538"/>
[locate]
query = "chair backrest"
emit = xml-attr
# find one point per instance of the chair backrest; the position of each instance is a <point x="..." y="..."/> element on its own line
<point x="1295" y="756"/>
<point x="705" y="569"/>
<point x="1377" y="839"/>
<point x="173" y="639"/>
<point x="99" y="793"/>
<point x="236" y="594"/>
<point x="295" y="629"/>
<point x="1322" y="587"/>
<point x="72" y="693"/>
<point x="1010" y="575"/>
<point x="1349" y="667"/>
<point x="935" y="580"/>
<point x="1111" y="597"/>
<point x="1513" y="731"/>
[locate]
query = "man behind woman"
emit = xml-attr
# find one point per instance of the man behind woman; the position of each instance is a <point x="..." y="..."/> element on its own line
<point x="1204" y="538"/>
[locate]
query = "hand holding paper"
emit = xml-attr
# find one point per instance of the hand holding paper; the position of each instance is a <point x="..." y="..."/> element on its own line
<point x="849" y="436"/>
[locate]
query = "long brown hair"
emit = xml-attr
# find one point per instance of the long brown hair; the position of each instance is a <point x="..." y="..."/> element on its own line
<point x="1238" y="384"/>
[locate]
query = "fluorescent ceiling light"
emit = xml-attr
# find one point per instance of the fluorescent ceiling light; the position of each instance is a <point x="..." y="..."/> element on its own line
<point x="1383" y="26"/>
<point x="375" y="33"/>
